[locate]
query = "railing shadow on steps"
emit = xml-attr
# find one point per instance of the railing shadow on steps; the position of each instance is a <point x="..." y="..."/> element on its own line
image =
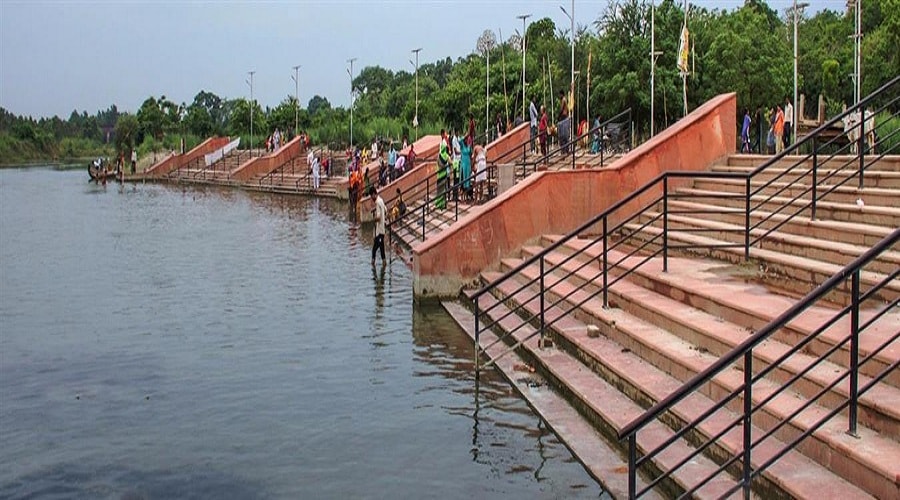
<point x="613" y="235"/>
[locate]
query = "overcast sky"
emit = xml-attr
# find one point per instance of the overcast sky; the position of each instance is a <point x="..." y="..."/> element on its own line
<point x="56" y="56"/>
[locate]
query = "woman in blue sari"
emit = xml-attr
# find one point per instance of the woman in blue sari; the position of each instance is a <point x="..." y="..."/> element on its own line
<point x="465" y="165"/>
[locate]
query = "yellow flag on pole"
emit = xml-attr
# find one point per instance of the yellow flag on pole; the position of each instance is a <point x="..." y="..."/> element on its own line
<point x="683" y="50"/>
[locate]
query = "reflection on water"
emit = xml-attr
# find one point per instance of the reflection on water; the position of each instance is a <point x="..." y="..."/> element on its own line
<point x="163" y="341"/>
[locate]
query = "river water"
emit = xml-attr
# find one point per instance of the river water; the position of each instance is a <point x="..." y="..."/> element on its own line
<point x="161" y="341"/>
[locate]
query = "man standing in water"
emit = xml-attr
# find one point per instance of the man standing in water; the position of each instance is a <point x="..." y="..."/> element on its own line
<point x="133" y="160"/>
<point x="380" y="212"/>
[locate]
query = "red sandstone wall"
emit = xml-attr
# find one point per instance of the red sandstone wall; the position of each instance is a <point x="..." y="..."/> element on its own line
<point x="268" y="163"/>
<point x="512" y="140"/>
<point x="558" y="202"/>
<point x="174" y="162"/>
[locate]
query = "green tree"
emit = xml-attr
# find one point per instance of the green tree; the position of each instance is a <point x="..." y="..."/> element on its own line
<point x="316" y="104"/>
<point x="746" y="55"/>
<point x="127" y="128"/>
<point x="151" y="119"/>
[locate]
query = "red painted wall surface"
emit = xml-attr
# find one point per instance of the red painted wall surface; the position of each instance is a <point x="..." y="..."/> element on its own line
<point x="512" y="140"/>
<point x="268" y="163"/>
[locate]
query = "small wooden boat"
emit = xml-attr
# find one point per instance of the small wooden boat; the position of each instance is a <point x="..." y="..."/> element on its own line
<point x="99" y="173"/>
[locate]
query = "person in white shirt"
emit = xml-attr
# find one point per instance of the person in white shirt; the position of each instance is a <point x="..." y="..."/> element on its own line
<point x="789" y="122"/>
<point x="533" y="112"/>
<point x="399" y="166"/>
<point x="315" y="173"/>
<point x="380" y="213"/>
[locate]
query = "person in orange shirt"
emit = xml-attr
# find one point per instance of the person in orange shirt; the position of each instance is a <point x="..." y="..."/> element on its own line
<point x="778" y="129"/>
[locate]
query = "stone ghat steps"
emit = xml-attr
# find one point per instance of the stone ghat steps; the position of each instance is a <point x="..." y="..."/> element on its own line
<point x="888" y="216"/>
<point x="862" y="234"/>
<point x="817" y="248"/>
<point x="847" y="193"/>
<point x="409" y="230"/>
<point x="794" y="274"/>
<point x="875" y="176"/>
<point x="887" y="163"/>
<point x="610" y="385"/>
<point x="599" y="454"/>
<point x="704" y="306"/>
<point x="218" y="172"/>
<point x="643" y="329"/>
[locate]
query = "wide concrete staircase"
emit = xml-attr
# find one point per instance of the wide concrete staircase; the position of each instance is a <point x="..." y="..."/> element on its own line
<point x="794" y="249"/>
<point x="218" y="172"/>
<point x="634" y="320"/>
<point x="294" y="177"/>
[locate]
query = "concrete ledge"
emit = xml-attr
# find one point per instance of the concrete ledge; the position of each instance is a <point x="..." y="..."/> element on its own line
<point x="558" y="202"/>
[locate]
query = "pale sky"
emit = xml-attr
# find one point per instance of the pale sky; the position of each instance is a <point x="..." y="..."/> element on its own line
<point x="59" y="55"/>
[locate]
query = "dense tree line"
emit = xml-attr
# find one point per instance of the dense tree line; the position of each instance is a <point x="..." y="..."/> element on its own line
<point x="747" y="50"/>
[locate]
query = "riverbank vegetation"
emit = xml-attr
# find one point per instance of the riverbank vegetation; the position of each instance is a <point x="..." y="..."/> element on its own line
<point x="747" y="50"/>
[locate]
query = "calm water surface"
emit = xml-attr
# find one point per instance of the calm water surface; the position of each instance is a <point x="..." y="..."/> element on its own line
<point x="172" y="342"/>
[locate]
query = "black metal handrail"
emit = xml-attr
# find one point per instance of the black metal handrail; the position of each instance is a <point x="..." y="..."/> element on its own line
<point x="661" y="182"/>
<point x="237" y="153"/>
<point x="745" y="351"/>
<point x="414" y="193"/>
<point x="279" y="171"/>
<point x="186" y="167"/>
<point x="403" y="222"/>
<point x="625" y="220"/>
<point x="621" y="145"/>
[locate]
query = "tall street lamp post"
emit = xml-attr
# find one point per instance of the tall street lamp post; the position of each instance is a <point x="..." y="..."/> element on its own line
<point x="653" y="55"/>
<point x="250" y="82"/>
<point x="487" y="97"/>
<point x="857" y="61"/>
<point x="572" y="82"/>
<point x="416" y="118"/>
<point x="797" y="7"/>
<point x="296" y="79"/>
<point x="350" y="72"/>
<point x="523" y="17"/>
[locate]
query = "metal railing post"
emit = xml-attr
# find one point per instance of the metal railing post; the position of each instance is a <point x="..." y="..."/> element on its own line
<point x="632" y="466"/>
<point x="815" y="177"/>
<point x="572" y="143"/>
<point x="605" y="268"/>
<point x="665" y="223"/>
<point x="748" y="409"/>
<point x="854" y="352"/>
<point x="477" y="334"/>
<point x="861" y="141"/>
<point x="747" y="220"/>
<point x="423" y="221"/>
<point x="542" y="300"/>
<point x="602" y="146"/>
